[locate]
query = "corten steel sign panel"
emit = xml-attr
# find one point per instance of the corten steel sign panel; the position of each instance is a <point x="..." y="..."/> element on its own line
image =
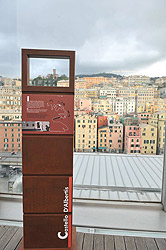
<point x="59" y="200"/>
<point x="55" y="161"/>
<point x="48" y="115"/>
<point x="42" y="231"/>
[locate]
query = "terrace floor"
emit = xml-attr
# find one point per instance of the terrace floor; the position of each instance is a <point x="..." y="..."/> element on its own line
<point x="10" y="238"/>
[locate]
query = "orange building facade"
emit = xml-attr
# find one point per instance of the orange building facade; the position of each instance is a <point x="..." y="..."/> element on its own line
<point x="102" y="121"/>
<point x="10" y="136"/>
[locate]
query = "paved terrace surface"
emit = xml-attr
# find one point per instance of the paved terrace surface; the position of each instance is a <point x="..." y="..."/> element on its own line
<point x="10" y="238"/>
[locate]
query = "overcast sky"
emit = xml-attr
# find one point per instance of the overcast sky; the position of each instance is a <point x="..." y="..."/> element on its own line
<point x="118" y="36"/>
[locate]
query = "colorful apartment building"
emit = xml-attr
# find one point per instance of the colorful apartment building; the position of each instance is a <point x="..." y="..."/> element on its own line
<point x="140" y="109"/>
<point x="103" y="139"/>
<point x="10" y="98"/>
<point x="126" y="92"/>
<point x="108" y="93"/>
<point x="10" y="136"/>
<point x="112" y="118"/>
<point x="160" y="81"/>
<point x="63" y="83"/>
<point x="7" y="81"/>
<point x="129" y="120"/>
<point x="102" y="121"/>
<point x="102" y="105"/>
<point x="156" y="92"/>
<point x="138" y="80"/>
<point x="91" y="93"/>
<point x="144" y="117"/>
<point x="95" y="80"/>
<point x="156" y="105"/>
<point x="116" y="138"/>
<point x="114" y="80"/>
<point x="17" y="82"/>
<point x="161" y="132"/>
<point x="86" y="133"/>
<point x="80" y="93"/>
<point x="81" y="112"/>
<point x="10" y="115"/>
<point x="84" y="104"/>
<point x="153" y="119"/>
<point x="132" y="140"/>
<point x="149" y="139"/>
<point x="144" y="95"/>
<point x="123" y="106"/>
<point x="110" y="138"/>
<point x="80" y="84"/>
<point x="158" y="120"/>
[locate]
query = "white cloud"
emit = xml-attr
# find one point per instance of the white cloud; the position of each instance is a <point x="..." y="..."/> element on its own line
<point x="114" y="35"/>
<point x="156" y="69"/>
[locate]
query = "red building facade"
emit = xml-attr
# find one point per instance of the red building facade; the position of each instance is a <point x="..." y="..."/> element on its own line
<point x="102" y="121"/>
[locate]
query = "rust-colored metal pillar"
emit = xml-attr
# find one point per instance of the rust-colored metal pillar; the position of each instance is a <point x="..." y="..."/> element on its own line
<point x="48" y="121"/>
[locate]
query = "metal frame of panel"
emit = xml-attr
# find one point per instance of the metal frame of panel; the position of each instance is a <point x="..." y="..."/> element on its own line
<point x="53" y="54"/>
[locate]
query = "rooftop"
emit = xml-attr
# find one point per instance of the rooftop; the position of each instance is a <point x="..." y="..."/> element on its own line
<point x="105" y="176"/>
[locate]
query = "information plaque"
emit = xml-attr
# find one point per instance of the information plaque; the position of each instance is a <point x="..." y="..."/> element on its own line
<point x="47" y="144"/>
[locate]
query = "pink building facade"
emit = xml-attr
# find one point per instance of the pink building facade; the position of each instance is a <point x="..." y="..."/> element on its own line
<point x="84" y="104"/>
<point x="132" y="141"/>
<point x="116" y="138"/>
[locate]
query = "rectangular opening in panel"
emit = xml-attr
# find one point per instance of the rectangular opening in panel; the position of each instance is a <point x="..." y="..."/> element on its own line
<point x="49" y="72"/>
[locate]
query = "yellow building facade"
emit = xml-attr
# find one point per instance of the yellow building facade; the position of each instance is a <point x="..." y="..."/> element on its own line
<point x="126" y="92"/>
<point x="91" y="93"/>
<point x="85" y="133"/>
<point x="144" y="95"/>
<point x="102" y="105"/>
<point x="149" y="139"/>
<point x="95" y="80"/>
<point x="10" y="115"/>
<point x="80" y="94"/>
<point x="103" y="139"/>
<point x="161" y="132"/>
<point x="156" y="105"/>
<point x="80" y="84"/>
<point x="158" y="120"/>
<point x="10" y="98"/>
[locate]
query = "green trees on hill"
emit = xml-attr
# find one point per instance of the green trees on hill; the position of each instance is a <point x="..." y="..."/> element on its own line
<point x="49" y="80"/>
